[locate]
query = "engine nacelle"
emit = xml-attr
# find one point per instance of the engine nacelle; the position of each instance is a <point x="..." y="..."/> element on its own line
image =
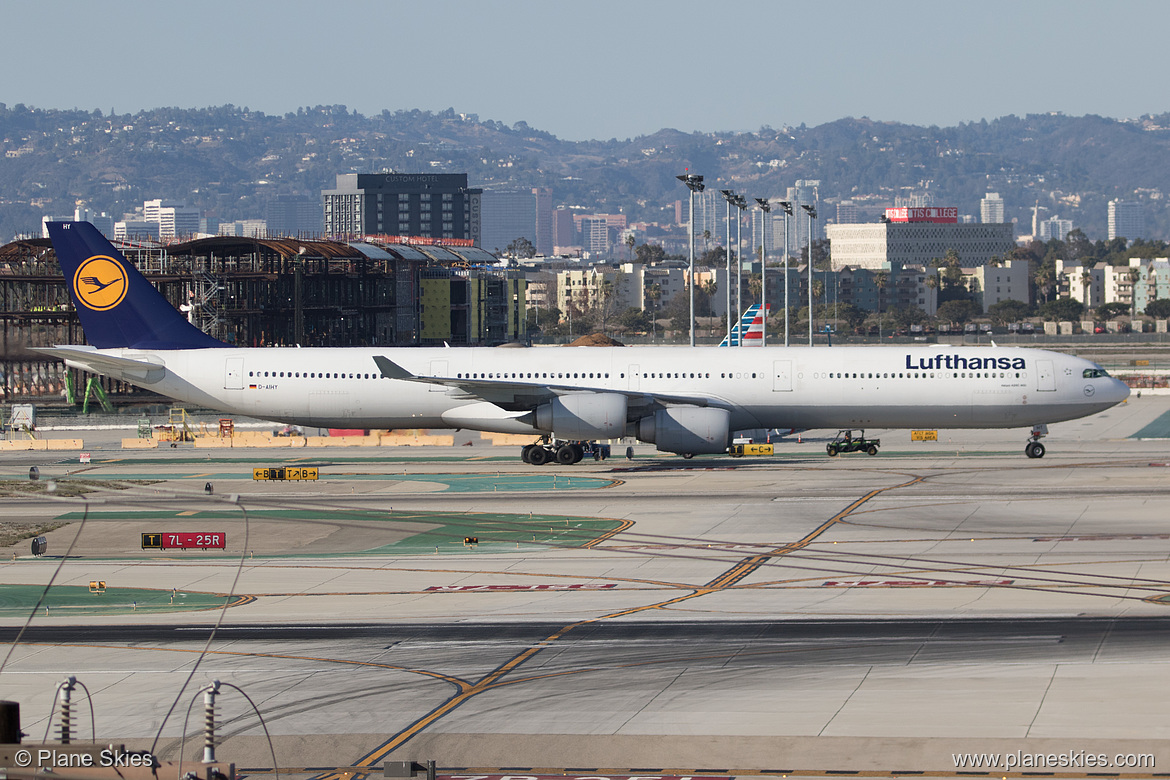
<point x="584" y="416"/>
<point x="687" y="430"/>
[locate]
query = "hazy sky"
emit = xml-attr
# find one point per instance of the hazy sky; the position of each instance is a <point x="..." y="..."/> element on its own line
<point x="597" y="68"/>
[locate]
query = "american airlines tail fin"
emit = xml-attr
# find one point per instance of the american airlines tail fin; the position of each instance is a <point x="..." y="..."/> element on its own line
<point x="117" y="306"/>
<point x="751" y="325"/>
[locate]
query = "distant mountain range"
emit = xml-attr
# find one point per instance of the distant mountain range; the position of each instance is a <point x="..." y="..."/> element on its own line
<point x="230" y="161"/>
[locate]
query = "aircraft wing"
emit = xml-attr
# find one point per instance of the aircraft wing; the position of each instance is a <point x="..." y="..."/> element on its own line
<point x="518" y="396"/>
<point x="89" y="359"/>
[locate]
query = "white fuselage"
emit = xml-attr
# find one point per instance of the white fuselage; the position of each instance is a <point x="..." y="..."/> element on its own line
<point x="772" y="387"/>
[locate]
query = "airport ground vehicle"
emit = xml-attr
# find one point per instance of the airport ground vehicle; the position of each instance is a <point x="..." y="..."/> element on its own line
<point x="847" y="442"/>
<point x="739" y="450"/>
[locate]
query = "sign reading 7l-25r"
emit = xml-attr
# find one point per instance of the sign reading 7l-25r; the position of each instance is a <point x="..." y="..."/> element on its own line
<point x="185" y="540"/>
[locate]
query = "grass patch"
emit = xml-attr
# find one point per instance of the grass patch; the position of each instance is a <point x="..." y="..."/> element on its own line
<point x="70" y="486"/>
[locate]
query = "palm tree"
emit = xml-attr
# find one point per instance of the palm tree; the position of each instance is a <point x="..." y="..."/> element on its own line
<point x="653" y="294"/>
<point x="880" y="280"/>
<point x="1045" y="278"/>
<point x="1135" y="276"/>
<point x="630" y="247"/>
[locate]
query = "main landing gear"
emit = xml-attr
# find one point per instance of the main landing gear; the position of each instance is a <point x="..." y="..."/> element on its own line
<point x="565" y="453"/>
<point x="1034" y="449"/>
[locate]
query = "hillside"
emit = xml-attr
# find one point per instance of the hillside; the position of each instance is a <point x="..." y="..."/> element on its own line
<point x="229" y="161"/>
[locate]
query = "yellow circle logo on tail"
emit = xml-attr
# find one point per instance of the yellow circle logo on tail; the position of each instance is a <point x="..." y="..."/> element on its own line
<point x="100" y="283"/>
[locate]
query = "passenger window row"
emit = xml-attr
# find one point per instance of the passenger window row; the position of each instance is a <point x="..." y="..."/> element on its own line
<point x="920" y="375"/>
<point x="534" y="375"/>
<point x="309" y="375"/>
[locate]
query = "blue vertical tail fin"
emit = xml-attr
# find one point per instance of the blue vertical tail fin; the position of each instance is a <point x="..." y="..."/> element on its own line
<point x="117" y="306"/>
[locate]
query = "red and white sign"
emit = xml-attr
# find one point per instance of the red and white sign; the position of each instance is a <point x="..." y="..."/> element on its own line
<point x="944" y="214"/>
<point x="584" y="777"/>
<point x="479" y="588"/>
<point x="205" y="540"/>
<point x="85" y="457"/>
<point x="913" y="583"/>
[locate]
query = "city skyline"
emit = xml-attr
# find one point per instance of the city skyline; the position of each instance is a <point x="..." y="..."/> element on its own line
<point x="653" y="65"/>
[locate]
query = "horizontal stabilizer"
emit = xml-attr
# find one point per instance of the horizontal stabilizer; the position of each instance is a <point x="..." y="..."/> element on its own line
<point x="89" y="359"/>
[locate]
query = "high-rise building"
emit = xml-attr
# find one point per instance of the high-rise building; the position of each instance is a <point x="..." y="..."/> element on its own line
<point x="1055" y="227"/>
<point x="507" y="215"/>
<point x="1127" y="219"/>
<point x="175" y="218"/>
<point x="135" y="230"/>
<point x="429" y="205"/>
<point x="848" y="213"/>
<point x="710" y="213"/>
<point x="102" y="221"/>
<point x="544" y="225"/>
<point x="916" y="237"/>
<point x="595" y="233"/>
<point x="991" y="209"/>
<point x="564" y="230"/>
<point x="806" y="192"/>
<point x="293" y="215"/>
<point x="768" y="231"/>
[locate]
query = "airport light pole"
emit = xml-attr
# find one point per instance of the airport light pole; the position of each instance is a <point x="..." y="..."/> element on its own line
<point x="741" y="204"/>
<point x="765" y="209"/>
<point x="694" y="183"/>
<point x="729" y="196"/>
<point x="812" y="214"/>
<point x="787" y="213"/>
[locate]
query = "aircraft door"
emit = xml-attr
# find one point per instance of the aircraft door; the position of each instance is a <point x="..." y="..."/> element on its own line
<point x="635" y="375"/>
<point x="438" y="368"/>
<point x="233" y="376"/>
<point x="1045" y="376"/>
<point x="782" y="376"/>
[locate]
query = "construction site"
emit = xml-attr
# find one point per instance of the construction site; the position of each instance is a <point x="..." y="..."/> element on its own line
<point x="259" y="292"/>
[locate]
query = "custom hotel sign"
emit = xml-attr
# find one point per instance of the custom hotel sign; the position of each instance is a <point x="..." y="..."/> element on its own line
<point x="948" y="215"/>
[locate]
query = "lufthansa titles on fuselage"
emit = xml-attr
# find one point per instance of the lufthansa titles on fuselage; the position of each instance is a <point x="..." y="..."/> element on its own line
<point x="965" y="363"/>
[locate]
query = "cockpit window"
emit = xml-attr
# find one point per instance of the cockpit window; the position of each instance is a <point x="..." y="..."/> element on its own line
<point x="1094" y="373"/>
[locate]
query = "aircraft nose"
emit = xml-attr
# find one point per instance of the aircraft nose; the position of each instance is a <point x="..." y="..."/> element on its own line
<point x="1118" y="391"/>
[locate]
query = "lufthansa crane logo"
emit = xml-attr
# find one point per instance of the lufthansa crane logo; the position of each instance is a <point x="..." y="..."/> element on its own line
<point x="100" y="283"/>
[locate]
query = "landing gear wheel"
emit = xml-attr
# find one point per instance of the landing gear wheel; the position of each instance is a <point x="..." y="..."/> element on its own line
<point x="578" y="452"/>
<point x="688" y="455"/>
<point x="565" y="455"/>
<point x="525" y="451"/>
<point x="829" y="448"/>
<point x="1034" y="450"/>
<point x="871" y="450"/>
<point x="538" y="456"/>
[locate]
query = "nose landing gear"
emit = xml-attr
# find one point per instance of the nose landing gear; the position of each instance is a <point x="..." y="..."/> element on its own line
<point x="1034" y="449"/>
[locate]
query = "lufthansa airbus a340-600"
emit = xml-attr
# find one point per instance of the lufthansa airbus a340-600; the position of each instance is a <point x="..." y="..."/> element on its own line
<point x="685" y="400"/>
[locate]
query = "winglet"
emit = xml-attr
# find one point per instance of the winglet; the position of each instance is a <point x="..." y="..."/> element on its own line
<point x="390" y="369"/>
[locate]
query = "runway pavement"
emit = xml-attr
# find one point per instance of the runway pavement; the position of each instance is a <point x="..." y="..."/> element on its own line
<point x="862" y="613"/>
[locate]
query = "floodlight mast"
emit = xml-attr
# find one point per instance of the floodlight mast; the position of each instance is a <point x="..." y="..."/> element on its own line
<point x="812" y="214"/>
<point x="729" y="196"/>
<point x="740" y="203"/>
<point x="694" y="183"/>
<point x="787" y="213"/>
<point x="765" y="208"/>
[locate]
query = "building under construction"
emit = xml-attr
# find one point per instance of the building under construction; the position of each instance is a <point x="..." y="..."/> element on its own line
<point x="267" y="292"/>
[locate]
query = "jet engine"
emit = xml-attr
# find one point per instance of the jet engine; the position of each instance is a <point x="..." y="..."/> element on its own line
<point x="587" y="416"/>
<point x="687" y="430"/>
